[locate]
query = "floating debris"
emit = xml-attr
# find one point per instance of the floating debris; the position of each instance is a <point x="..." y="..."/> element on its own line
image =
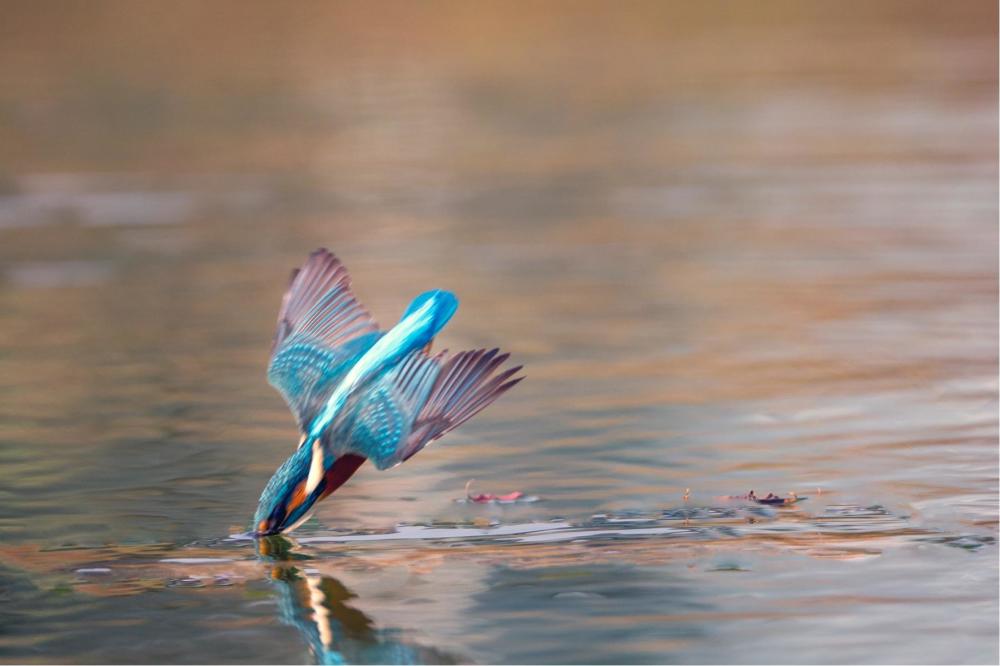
<point x="188" y="581"/>
<point x="578" y="595"/>
<point x="770" y="499"/>
<point x="729" y="566"/>
<point x="490" y="498"/>
<point x="966" y="541"/>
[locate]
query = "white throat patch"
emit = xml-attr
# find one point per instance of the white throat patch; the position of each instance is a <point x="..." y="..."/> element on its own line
<point x="316" y="468"/>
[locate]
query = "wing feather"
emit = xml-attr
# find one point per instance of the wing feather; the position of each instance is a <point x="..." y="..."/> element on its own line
<point x="322" y="331"/>
<point x="419" y="401"/>
<point x="469" y="388"/>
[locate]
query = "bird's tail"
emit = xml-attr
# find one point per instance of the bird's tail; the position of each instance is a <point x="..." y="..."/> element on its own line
<point x="465" y="386"/>
<point x="437" y="307"/>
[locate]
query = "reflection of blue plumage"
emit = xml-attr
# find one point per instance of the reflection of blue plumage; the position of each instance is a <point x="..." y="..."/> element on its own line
<point x="359" y="393"/>
<point x="336" y="632"/>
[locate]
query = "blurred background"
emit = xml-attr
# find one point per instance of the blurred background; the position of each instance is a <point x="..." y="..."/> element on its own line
<point x="736" y="244"/>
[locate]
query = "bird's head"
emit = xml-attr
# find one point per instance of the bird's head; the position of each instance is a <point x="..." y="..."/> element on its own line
<point x="292" y="491"/>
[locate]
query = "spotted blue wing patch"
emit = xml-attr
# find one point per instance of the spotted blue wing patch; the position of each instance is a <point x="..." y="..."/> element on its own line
<point x="420" y="400"/>
<point x="376" y="422"/>
<point x="379" y="426"/>
<point x="306" y="372"/>
<point x="322" y="331"/>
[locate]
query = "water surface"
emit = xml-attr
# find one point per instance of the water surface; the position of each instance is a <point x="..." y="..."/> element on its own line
<point x="735" y="249"/>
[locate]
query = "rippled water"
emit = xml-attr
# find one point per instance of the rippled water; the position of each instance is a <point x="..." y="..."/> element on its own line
<point x="735" y="249"/>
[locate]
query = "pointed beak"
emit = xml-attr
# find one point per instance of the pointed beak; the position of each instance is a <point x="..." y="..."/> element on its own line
<point x="266" y="527"/>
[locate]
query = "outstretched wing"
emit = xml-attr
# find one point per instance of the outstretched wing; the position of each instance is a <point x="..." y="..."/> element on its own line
<point x="419" y="401"/>
<point x="322" y="331"/>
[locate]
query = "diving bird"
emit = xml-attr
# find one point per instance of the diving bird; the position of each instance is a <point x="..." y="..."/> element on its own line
<point x="359" y="393"/>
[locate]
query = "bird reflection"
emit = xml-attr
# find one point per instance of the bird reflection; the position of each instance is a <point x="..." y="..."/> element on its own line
<point x="336" y="632"/>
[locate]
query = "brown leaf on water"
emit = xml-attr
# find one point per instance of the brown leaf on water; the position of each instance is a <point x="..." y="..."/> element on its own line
<point x="488" y="498"/>
<point x="769" y="499"/>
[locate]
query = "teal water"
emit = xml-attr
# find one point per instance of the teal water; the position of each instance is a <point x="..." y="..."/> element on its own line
<point x="734" y="250"/>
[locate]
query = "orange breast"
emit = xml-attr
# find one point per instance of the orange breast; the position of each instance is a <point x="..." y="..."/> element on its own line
<point x="298" y="497"/>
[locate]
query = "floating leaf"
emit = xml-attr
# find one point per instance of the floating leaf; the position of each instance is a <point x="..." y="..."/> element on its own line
<point x="770" y="498"/>
<point x="490" y="498"/>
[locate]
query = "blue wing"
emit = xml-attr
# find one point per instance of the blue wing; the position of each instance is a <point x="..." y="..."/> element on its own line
<point x="417" y="402"/>
<point x="425" y="317"/>
<point x="322" y="331"/>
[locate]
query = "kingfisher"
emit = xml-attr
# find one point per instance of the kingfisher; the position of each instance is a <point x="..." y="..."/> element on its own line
<point x="360" y="393"/>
